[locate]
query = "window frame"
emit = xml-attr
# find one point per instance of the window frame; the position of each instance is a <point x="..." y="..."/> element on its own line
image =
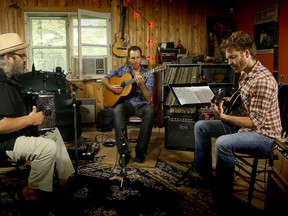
<point x="69" y="41"/>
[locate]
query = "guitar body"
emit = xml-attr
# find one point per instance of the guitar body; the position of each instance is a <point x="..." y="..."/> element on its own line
<point x="233" y="104"/>
<point x="110" y="97"/>
<point x="229" y="106"/>
<point x="120" y="48"/>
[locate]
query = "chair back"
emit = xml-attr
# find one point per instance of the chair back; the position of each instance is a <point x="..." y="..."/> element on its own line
<point x="283" y="106"/>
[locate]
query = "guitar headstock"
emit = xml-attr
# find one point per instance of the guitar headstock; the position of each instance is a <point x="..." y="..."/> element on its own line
<point x="217" y="97"/>
<point x="123" y="7"/>
<point x="160" y="68"/>
<point x="123" y="10"/>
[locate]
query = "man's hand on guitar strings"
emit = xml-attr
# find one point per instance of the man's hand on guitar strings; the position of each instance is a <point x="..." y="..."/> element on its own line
<point x="117" y="89"/>
<point x="139" y="80"/>
<point x="218" y="109"/>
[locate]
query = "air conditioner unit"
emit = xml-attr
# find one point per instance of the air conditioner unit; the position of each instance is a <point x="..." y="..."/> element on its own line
<point x="91" y="66"/>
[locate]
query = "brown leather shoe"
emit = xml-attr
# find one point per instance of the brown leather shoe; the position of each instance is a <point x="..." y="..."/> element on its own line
<point x="29" y="194"/>
<point x="140" y="157"/>
<point x="63" y="182"/>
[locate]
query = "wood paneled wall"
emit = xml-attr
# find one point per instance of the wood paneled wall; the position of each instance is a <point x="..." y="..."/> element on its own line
<point x="172" y="20"/>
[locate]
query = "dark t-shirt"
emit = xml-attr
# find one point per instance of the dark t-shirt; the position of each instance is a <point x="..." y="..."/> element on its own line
<point x="12" y="105"/>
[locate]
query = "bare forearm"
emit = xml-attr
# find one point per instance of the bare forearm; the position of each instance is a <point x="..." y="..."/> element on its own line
<point x="106" y="83"/>
<point x="146" y="94"/>
<point x="9" y="125"/>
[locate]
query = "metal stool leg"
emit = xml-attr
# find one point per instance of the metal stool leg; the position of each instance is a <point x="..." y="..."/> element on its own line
<point x="190" y="169"/>
<point x="252" y="181"/>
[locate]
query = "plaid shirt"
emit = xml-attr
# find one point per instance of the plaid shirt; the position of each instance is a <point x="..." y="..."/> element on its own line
<point x="138" y="99"/>
<point x="259" y="95"/>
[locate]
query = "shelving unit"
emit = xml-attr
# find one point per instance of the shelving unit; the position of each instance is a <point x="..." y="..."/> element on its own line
<point x="182" y="118"/>
<point x="217" y="76"/>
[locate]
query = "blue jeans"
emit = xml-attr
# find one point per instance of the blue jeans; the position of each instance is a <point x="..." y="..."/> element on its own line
<point x="228" y="141"/>
<point x="122" y="112"/>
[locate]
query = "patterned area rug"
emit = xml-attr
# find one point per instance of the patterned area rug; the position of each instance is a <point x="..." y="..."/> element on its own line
<point x="152" y="191"/>
<point x="100" y="189"/>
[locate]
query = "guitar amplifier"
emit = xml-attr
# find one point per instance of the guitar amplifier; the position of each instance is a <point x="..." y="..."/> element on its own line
<point x="280" y="163"/>
<point x="179" y="133"/>
<point x="277" y="186"/>
<point x="44" y="102"/>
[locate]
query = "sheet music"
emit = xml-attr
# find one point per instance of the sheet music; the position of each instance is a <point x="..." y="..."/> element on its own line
<point x="193" y="94"/>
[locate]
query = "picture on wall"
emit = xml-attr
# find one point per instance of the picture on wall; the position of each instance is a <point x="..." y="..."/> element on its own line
<point x="265" y="31"/>
<point x="218" y="28"/>
<point x="264" y="35"/>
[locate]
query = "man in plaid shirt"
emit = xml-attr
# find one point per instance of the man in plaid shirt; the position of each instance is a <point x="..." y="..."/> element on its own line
<point x="253" y="131"/>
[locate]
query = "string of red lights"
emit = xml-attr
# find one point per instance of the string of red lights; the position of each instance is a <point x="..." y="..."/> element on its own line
<point x="136" y="14"/>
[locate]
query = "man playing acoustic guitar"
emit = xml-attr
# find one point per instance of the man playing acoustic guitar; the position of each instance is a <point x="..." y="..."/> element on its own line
<point x="136" y="102"/>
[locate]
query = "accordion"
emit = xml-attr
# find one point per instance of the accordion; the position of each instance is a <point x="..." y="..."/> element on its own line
<point x="44" y="102"/>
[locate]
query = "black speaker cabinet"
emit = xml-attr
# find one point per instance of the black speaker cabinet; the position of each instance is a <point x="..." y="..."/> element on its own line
<point x="179" y="133"/>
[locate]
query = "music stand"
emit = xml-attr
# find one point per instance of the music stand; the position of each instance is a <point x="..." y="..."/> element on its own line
<point x="74" y="89"/>
<point x="123" y="151"/>
<point x="59" y="73"/>
<point x="196" y="95"/>
<point x="193" y="95"/>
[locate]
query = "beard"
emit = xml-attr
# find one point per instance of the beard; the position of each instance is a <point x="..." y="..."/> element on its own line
<point x="17" y="69"/>
<point x="12" y="70"/>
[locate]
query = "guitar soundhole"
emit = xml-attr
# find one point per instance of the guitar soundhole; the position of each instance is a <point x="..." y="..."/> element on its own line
<point x="123" y="84"/>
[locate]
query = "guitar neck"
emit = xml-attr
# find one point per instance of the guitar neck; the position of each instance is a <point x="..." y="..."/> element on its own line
<point x="123" y="22"/>
<point x="128" y="82"/>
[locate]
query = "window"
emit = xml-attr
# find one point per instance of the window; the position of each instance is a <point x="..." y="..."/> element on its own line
<point x="82" y="51"/>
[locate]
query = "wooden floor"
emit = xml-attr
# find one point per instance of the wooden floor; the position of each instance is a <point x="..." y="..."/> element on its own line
<point x="158" y="141"/>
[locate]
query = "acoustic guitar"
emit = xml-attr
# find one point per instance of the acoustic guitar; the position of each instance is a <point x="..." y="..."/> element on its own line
<point x="120" y="48"/>
<point x="229" y="106"/>
<point x="124" y="81"/>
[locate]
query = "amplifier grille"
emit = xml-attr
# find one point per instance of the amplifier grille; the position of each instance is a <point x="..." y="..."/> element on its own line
<point x="179" y="134"/>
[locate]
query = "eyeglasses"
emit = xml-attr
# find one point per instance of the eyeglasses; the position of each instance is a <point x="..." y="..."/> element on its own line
<point x="23" y="55"/>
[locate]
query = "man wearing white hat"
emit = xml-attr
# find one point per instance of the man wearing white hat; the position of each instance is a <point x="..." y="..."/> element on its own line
<point x="47" y="153"/>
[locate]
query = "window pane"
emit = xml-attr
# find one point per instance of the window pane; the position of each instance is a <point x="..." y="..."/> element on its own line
<point x="91" y="36"/>
<point x="49" y="59"/>
<point x="92" y="21"/>
<point x="48" y="32"/>
<point x="94" y="51"/>
<point x="94" y="36"/>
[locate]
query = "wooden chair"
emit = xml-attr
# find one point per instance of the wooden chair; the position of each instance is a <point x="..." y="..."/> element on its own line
<point x="133" y="121"/>
<point x="247" y="167"/>
<point x="249" y="163"/>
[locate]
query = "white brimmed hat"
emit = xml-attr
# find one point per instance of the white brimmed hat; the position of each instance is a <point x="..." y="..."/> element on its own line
<point x="10" y="42"/>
